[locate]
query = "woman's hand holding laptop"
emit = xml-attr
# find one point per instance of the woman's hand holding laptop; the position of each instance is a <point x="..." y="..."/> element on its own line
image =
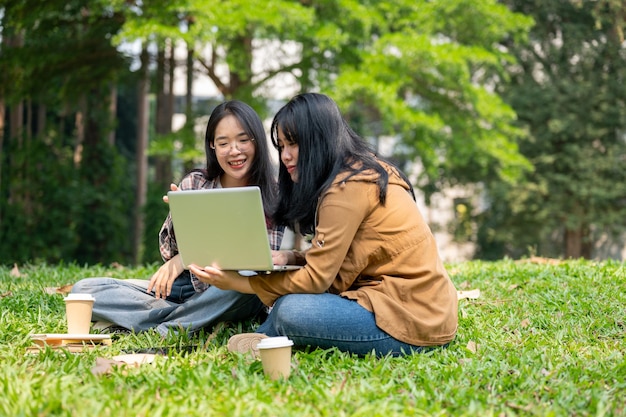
<point x="173" y="187"/>
<point x="224" y="280"/>
<point x="282" y="257"/>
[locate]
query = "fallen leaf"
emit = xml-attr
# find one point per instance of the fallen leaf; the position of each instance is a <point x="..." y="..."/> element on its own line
<point x="64" y="289"/>
<point x="473" y="294"/>
<point x="472" y="346"/>
<point x="15" y="272"/>
<point x="6" y="294"/>
<point x="513" y="286"/>
<point x="526" y="408"/>
<point x="105" y="366"/>
<point x="525" y="323"/>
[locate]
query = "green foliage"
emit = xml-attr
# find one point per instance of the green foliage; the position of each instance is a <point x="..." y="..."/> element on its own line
<point x="155" y="213"/>
<point x="542" y="339"/>
<point x="567" y="91"/>
<point x="38" y="220"/>
<point x="64" y="213"/>
<point x="431" y="74"/>
<point x="103" y="222"/>
<point x="429" y="80"/>
<point x="64" y="43"/>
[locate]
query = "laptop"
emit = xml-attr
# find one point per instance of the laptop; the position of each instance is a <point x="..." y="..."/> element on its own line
<point x="223" y="226"/>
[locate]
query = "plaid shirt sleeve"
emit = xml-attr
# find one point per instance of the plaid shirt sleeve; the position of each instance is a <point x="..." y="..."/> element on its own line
<point x="275" y="234"/>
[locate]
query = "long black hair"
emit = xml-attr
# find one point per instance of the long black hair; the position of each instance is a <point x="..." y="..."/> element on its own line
<point x="326" y="147"/>
<point x="261" y="170"/>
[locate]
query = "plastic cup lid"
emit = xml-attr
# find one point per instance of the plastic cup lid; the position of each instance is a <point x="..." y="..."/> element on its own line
<point x="79" y="297"/>
<point x="274" y="342"/>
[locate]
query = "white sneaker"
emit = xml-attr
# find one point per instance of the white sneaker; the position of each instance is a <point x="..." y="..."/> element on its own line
<point x="246" y="343"/>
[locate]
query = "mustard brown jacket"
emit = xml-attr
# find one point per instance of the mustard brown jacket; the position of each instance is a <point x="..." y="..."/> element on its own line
<point x="383" y="256"/>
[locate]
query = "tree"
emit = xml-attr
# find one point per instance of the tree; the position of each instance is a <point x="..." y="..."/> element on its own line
<point x="425" y="71"/>
<point x="429" y="76"/>
<point x="61" y="69"/>
<point x="567" y="90"/>
<point x="426" y="68"/>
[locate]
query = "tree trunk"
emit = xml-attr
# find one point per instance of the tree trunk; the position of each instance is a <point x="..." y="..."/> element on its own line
<point x="189" y="115"/>
<point x="142" y="159"/>
<point x="169" y="96"/>
<point x="113" y="113"/>
<point x="41" y="119"/>
<point x="16" y="123"/>
<point x="2" y="114"/>
<point x="163" y="163"/>
<point x="79" y="125"/>
<point x="578" y="243"/>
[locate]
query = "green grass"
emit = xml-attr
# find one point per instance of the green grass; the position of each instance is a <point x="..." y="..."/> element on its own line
<point x="550" y="342"/>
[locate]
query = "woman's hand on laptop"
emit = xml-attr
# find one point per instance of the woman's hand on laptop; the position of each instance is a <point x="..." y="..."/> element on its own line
<point x="224" y="280"/>
<point x="173" y="187"/>
<point x="283" y="257"/>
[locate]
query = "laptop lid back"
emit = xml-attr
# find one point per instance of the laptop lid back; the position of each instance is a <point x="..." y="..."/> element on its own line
<point x="221" y="226"/>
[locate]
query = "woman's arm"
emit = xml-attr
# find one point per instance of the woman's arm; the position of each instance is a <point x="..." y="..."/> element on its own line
<point x="341" y="212"/>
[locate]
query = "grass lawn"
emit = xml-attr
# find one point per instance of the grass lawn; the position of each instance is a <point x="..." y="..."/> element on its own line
<point x="543" y="339"/>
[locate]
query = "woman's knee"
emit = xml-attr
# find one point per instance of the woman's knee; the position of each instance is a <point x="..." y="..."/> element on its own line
<point x="87" y="285"/>
<point x="294" y="310"/>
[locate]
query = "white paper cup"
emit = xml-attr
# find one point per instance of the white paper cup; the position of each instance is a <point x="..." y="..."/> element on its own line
<point x="78" y="308"/>
<point x="276" y="356"/>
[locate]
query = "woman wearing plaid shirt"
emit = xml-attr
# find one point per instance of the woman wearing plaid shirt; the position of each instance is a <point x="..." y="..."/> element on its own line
<point x="237" y="155"/>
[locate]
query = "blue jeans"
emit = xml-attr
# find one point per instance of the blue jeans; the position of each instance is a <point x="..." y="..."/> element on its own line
<point x="328" y="320"/>
<point x="126" y="303"/>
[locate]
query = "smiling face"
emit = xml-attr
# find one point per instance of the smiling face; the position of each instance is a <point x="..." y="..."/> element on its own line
<point x="288" y="154"/>
<point x="235" y="152"/>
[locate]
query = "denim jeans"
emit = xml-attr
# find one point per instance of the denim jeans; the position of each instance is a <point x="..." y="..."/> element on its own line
<point x="328" y="320"/>
<point x="126" y="303"/>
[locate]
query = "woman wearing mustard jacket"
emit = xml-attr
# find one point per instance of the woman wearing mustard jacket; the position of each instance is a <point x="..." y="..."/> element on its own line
<point x="372" y="280"/>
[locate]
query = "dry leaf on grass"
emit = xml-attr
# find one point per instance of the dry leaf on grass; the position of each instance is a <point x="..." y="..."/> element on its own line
<point x="464" y="285"/>
<point x="6" y="294"/>
<point x="525" y="323"/>
<point x="473" y="294"/>
<point x="525" y="408"/>
<point x="64" y="289"/>
<point x="105" y="366"/>
<point x="472" y="346"/>
<point x="15" y="272"/>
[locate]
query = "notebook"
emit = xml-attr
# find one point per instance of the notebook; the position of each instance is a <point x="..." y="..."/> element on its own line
<point x="222" y="226"/>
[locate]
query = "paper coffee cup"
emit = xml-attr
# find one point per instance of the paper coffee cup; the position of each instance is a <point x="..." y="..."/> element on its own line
<point x="276" y="356"/>
<point x="78" y="308"/>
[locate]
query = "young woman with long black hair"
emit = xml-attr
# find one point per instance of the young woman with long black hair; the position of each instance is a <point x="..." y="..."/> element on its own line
<point x="372" y="279"/>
